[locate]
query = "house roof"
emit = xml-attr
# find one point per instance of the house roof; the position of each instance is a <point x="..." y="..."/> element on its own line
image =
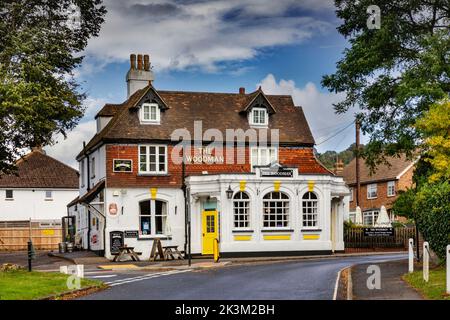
<point x="38" y="170"/>
<point x="216" y="111"/>
<point x="384" y="172"/>
<point x="108" y="110"/>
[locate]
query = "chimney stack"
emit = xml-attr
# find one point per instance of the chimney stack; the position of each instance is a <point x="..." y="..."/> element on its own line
<point x="140" y="75"/>
<point x="241" y="90"/>
<point x="338" y="167"/>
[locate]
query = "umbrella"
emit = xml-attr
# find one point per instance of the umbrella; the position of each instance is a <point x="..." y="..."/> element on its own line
<point x="358" y="218"/>
<point x="383" y="219"/>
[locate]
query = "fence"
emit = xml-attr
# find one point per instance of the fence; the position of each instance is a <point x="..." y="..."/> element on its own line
<point x="354" y="239"/>
<point x="14" y="235"/>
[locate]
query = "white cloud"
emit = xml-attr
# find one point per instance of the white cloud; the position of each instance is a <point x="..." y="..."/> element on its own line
<point x="66" y="150"/>
<point x="318" y="109"/>
<point x="184" y="34"/>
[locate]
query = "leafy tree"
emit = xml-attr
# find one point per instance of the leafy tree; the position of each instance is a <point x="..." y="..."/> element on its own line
<point x="435" y="126"/>
<point x="328" y="158"/>
<point x="394" y="73"/>
<point x="41" y="44"/>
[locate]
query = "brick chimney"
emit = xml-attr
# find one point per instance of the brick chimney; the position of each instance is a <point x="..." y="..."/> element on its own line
<point x="241" y="90"/>
<point x="140" y="75"/>
<point x="338" y="168"/>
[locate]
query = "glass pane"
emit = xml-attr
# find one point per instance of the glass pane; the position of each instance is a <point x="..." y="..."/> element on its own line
<point x="145" y="225"/>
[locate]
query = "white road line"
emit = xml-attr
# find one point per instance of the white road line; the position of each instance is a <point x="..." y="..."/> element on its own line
<point x="105" y="276"/>
<point x="336" y="285"/>
<point x="141" y="278"/>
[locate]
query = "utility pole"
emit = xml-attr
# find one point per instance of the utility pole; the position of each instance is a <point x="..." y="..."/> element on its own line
<point x="358" y="183"/>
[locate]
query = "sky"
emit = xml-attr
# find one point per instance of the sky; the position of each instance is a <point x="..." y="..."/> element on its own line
<point x="284" y="46"/>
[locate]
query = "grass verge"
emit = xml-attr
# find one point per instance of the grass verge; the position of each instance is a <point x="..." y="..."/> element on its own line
<point x="434" y="289"/>
<point x="24" y="285"/>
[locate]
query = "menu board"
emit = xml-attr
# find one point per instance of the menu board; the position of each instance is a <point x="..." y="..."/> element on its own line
<point x="116" y="241"/>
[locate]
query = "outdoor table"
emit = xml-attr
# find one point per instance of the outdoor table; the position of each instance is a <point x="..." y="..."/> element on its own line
<point x="123" y="251"/>
<point x="171" y="251"/>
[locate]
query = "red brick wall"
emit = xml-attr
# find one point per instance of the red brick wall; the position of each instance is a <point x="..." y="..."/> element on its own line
<point x="299" y="157"/>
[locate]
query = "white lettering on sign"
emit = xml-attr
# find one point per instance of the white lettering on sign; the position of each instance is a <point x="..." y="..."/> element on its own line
<point x="204" y="155"/>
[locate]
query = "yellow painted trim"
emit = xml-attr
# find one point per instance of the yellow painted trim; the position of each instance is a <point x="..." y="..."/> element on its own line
<point x="278" y="237"/>
<point x="153" y="192"/>
<point x="242" y="185"/>
<point x="118" y="266"/>
<point x="242" y="238"/>
<point x="276" y="185"/>
<point x="311" y="236"/>
<point x="311" y="186"/>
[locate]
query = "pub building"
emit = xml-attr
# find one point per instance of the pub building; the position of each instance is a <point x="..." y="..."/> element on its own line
<point x="162" y="159"/>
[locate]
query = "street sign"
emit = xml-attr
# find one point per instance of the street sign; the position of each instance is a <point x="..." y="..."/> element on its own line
<point x="378" y="232"/>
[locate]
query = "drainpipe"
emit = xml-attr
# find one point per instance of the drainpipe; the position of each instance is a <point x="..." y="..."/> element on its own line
<point x="183" y="187"/>
<point x="88" y="187"/>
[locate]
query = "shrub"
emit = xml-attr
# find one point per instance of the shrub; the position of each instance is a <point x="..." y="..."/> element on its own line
<point x="432" y="208"/>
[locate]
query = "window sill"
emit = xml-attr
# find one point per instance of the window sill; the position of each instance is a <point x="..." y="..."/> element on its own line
<point x="277" y="230"/>
<point x="144" y="238"/>
<point x="141" y="174"/>
<point x="372" y="198"/>
<point x="150" y="122"/>
<point x="9" y="199"/>
<point x="242" y="231"/>
<point x="390" y="196"/>
<point x="48" y="199"/>
<point x="311" y="230"/>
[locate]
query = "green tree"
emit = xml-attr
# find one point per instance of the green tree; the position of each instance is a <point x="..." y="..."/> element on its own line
<point x="40" y="46"/>
<point x="394" y="73"/>
<point x="435" y="126"/>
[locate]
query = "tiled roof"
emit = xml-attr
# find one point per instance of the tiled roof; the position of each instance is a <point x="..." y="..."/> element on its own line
<point x="38" y="170"/>
<point x="108" y="110"/>
<point x="216" y="110"/>
<point x="383" y="171"/>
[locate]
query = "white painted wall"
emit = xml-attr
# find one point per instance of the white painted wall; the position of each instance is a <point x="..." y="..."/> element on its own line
<point x="100" y="169"/>
<point x="31" y="203"/>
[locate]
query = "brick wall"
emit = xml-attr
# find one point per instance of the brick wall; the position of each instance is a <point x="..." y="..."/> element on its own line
<point x="303" y="158"/>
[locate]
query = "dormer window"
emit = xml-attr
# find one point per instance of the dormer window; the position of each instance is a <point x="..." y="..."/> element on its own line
<point x="259" y="117"/>
<point x="150" y="113"/>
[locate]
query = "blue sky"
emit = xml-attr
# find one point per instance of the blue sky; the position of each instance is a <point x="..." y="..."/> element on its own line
<point x="285" y="46"/>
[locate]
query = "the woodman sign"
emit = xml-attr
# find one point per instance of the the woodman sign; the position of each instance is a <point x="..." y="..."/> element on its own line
<point x="204" y="155"/>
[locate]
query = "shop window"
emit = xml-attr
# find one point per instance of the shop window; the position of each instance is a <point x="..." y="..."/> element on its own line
<point x="370" y="217"/>
<point x="310" y="210"/>
<point x="152" y="217"/>
<point x="153" y="159"/>
<point x="276" y="210"/>
<point x="241" y="209"/>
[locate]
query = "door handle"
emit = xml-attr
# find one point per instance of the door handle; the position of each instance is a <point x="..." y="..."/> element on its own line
<point x="203" y="234"/>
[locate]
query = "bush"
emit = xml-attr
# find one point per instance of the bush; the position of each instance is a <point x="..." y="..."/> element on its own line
<point x="432" y="208"/>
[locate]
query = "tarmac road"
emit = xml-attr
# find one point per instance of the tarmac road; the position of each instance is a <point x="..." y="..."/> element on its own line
<point x="293" y="280"/>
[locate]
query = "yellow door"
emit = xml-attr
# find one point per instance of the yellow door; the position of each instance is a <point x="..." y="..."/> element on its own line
<point x="209" y="231"/>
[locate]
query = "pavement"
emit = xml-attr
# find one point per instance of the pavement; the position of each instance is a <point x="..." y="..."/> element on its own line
<point x="392" y="286"/>
<point x="288" y="280"/>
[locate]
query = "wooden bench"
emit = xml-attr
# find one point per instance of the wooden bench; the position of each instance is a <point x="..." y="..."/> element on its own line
<point x="126" y="251"/>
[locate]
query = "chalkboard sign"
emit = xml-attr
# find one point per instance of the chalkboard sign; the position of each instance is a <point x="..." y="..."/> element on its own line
<point x="378" y="232"/>
<point x="131" y="234"/>
<point x="116" y="241"/>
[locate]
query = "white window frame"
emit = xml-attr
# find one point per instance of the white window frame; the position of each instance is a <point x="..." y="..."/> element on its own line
<point x="146" y="115"/>
<point x="147" y="159"/>
<point x="46" y="195"/>
<point x="92" y="167"/>
<point x="370" y="189"/>
<point x="313" y="204"/>
<point x="373" y="217"/>
<point x="82" y="172"/>
<point x="153" y="216"/>
<point x="259" y="123"/>
<point x="391" y="188"/>
<point x="285" y="205"/>
<point x="242" y="215"/>
<point x="270" y="156"/>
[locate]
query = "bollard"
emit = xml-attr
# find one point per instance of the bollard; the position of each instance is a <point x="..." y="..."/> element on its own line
<point x="410" y="255"/>
<point x="426" y="261"/>
<point x="448" y="269"/>
<point x="80" y="270"/>
<point x="216" y="250"/>
<point x="63" y="269"/>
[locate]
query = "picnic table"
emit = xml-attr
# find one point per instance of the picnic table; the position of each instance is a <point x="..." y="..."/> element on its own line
<point x="172" y="251"/>
<point x="126" y="251"/>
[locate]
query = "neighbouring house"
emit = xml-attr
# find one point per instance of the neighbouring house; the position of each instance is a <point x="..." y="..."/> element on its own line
<point x="40" y="189"/>
<point x="141" y="178"/>
<point x="378" y="189"/>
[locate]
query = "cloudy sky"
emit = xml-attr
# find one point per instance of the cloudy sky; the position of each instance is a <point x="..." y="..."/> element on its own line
<point x="286" y="46"/>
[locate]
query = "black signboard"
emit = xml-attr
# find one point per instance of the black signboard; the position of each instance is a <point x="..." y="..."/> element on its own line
<point x="116" y="241"/>
<point x="278" y="172"/>
<point x="131" y="234"/>
<point x="378" y="232"/>
<point x="122" y="165"/>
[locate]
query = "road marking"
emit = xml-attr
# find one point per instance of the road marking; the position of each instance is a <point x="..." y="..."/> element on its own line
<point x="336" y="285"/>
<point x="105" y="276"/>
<point x="142" y="278"/>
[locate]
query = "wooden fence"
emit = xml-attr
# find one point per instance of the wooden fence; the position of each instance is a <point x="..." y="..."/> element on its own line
<point x="45" y="235"/>
<point x="354" y="238"/>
